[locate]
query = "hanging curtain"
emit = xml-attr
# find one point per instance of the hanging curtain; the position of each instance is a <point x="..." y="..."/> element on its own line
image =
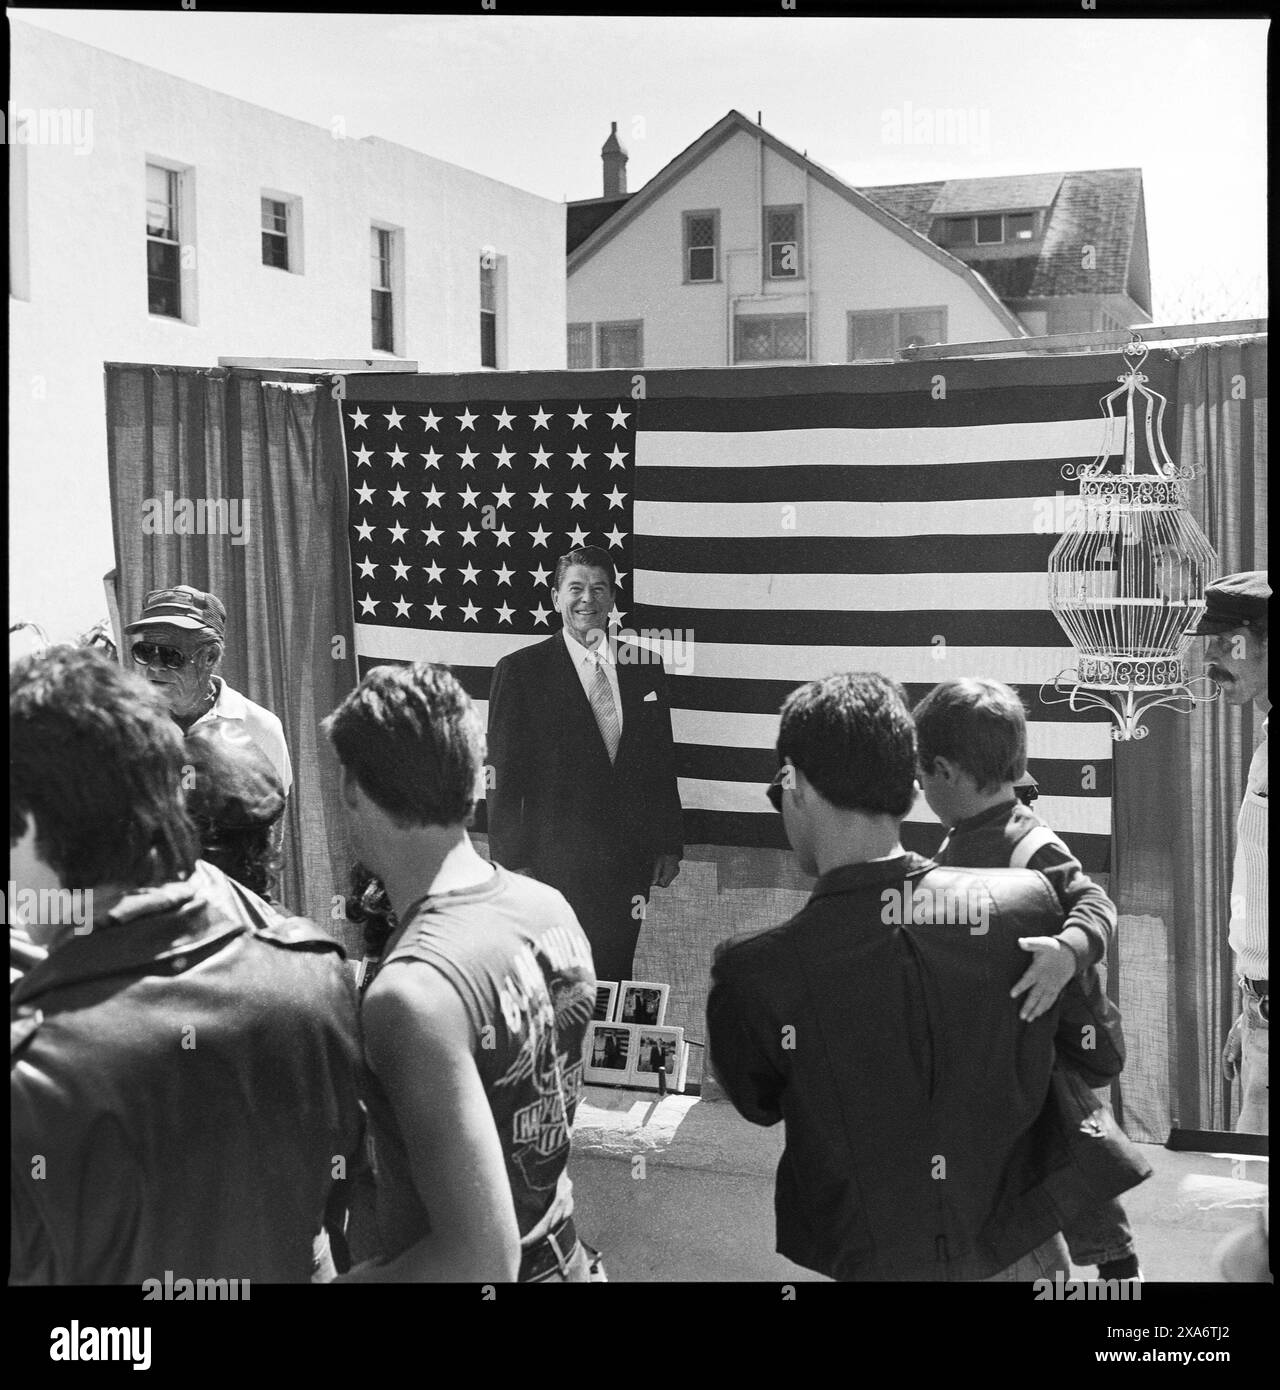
<point x="271" y="443"/>
<point x="1178" y="791"/>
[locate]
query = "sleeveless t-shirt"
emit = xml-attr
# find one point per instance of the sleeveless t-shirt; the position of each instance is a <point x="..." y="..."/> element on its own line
<point x="513" y="950"/>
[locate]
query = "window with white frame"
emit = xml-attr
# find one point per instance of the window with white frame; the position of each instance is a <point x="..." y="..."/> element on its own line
<point x="488" y="312"/>
<point x="989" y="229"/>
<point x="578" y="354"/>
<point x="382" y="290"/>
<point x="770" y="338"/>
<point x="883" y="333"/>
<point x="782" y="232"/>
<point x="620" y="344"/>
<point x="280" y="232"/>
<point x="701" y="246"/>
<point x="164" y="247"/>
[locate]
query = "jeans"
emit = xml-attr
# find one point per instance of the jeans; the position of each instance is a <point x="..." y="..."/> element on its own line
<point x="1099" y="1235"/>
<point x="1041" y="1263"/>
<point x="1254" y="1078"/>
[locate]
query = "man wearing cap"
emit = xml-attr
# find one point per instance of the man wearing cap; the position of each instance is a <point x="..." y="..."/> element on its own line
<point x="179" y="640"/>
<point x="1235" y="622"/>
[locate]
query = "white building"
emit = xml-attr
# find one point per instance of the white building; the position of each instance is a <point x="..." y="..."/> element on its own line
<point x="154" y="220"/>
<point x="742" y="250"/>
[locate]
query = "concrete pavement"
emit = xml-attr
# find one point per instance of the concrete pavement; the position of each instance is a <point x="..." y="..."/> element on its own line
<point x="682" y="1189"/>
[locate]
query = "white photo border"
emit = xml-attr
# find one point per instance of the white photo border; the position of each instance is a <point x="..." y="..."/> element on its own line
<point x="608" y="1076"/>
<point x="648" y="1080"/>
<point x="663" y="993"/>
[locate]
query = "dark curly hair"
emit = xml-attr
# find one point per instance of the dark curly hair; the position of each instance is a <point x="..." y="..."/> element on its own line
<point x="96" y="761"/>
<point x="245" y="853"/>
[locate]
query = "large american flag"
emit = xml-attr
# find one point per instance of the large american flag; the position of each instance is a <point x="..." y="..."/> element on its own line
<point x="769" y="527"/>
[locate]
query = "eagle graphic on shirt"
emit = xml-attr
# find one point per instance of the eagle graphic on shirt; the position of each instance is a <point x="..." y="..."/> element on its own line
<point x="553" y="988"/>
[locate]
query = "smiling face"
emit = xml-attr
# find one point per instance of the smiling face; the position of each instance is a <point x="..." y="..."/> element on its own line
<point x="185" y="690"/>
<point x="1237" y="662"/>
<point x="584" y="601"/>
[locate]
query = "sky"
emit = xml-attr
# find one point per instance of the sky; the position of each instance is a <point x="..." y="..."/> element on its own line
<point x="529" y="100"/>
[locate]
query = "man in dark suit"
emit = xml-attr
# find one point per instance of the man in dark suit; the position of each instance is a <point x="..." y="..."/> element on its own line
<point x="583" y="792"/>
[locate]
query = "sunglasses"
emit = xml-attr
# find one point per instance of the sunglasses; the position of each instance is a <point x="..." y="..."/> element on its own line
<point x="171" y="658"/>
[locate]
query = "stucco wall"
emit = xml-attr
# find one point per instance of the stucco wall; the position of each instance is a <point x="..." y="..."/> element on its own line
<point x="86" y="288"/>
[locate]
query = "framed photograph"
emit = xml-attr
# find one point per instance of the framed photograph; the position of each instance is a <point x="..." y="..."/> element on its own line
<point x="606" y="1000"/>
<point x="607" y="1051"/>
<point x="643" y="1001"/>
<point x="654" y="1048"/>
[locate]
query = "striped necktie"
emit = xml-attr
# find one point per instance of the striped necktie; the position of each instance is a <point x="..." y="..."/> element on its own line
<point x="606" y="712"/>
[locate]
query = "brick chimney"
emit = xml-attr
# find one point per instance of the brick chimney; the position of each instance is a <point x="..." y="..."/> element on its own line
<point x="614" y="158"/>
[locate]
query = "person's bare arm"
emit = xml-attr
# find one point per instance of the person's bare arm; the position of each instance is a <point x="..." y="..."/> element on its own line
<point x="418" y="1043"/>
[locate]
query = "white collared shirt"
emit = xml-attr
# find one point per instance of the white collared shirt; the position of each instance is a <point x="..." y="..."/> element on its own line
<point x="1247" y="931"/>
<point x="260" y="724"/>
<point x="584" y="662"/>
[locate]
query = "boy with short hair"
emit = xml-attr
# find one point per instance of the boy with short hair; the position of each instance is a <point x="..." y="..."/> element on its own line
<point x="973" y="749"/>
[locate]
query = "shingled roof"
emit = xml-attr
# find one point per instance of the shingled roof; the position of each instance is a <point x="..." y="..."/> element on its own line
<point x="1102" y="208"/>
<point x="584" y="216"/>
<point x="622" y="212"/>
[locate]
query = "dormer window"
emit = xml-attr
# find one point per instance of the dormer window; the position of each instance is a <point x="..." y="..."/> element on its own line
<point x="990" y="230"/>
<point x="987" y="229"/>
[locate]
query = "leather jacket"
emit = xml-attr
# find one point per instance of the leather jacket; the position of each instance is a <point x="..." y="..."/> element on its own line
<point x="183" y="1081"/>
<point x="925" y="1137"/>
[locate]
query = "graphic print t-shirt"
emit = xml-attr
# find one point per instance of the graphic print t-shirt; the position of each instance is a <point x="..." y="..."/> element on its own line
<point x="513" y="950"/>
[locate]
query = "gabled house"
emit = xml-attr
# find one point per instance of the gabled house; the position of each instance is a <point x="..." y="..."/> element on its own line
<point x="743" y="250"/>
<point x="1066" y="252"/>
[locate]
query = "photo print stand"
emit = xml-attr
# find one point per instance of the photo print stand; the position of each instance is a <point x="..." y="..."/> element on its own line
<point x="643" y="1002"/>
<point x="634" y="1055"/>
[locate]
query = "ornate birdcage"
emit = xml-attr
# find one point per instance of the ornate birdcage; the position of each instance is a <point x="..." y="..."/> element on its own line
<point x="1127" y="578"/>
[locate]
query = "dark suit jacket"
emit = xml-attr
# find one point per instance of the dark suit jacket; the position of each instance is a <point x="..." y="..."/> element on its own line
<point x="886" y="1048"/>
<point x="557" y="806"/>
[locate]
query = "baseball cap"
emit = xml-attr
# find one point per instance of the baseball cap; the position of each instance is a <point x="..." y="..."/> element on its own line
<point x="185" y="607"/>
<point x="1235" y="600"/>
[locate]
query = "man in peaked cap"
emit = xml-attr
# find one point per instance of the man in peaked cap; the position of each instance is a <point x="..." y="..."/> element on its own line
<point x="1235" y="622"/>
<point x="179" y="641"/>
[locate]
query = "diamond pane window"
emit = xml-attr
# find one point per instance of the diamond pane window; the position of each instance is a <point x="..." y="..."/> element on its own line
<point x="700" y="238"/>
<point x="619" y="345"/>
<point x="579" y="346"/>
<point x="770" y="338"/>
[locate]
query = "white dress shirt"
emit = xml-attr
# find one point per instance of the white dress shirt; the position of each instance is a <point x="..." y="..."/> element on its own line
<point x="259" y="724"/>
<point x="584" y="662"/>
